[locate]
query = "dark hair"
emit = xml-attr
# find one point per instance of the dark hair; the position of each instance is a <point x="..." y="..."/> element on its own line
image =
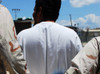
<point x="50" y="8"/>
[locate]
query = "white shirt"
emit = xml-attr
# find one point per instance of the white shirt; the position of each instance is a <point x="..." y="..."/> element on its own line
<point x="49" y="47"/>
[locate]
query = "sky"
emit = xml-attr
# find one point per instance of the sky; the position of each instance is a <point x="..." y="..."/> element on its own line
<point x="84" y="13"/>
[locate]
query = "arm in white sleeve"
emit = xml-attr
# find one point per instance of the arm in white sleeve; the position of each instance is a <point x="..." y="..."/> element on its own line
<point x="9" y="47"/>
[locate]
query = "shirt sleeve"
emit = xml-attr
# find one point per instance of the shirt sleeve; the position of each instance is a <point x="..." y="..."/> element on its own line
<point x="78" y="44"/>
<point x="85" y="62"/>
<point x="12" y="54"/>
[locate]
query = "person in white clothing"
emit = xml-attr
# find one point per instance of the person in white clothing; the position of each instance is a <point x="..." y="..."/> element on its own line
<point x="11" y="56"/>
<point x="87" y="61"/>
<point x="48" y="47"/>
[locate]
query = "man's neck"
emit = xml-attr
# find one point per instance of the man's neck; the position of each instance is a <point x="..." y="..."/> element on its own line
<point x="45" y="21"/>
<point x="49" y="21"/>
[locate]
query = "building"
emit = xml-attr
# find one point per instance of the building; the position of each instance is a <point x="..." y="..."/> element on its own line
<point x="90" y="33"/>
<point x="22" y="24"/>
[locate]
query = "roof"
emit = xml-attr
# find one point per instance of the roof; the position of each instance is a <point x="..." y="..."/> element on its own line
<point x="24" y="21"/>
<point x="93" y="30"/>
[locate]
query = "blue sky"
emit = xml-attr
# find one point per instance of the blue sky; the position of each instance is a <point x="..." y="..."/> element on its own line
<point x="86" y="13"/>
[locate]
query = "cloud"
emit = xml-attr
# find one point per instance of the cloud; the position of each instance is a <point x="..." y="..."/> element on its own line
<point x="90" y="21"/>
<point x="81" y="3"/>
<point x="24" y="18"/>
<point x="64" y="22"/>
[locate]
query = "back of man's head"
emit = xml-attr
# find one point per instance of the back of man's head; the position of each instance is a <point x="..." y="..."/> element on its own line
<point x="50" y="8"/>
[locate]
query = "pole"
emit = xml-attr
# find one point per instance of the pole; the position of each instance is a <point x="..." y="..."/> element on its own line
<point x="15" y="11"/>
<point x="70" y="19"/>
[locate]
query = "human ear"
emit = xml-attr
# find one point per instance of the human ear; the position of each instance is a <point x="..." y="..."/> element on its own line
<point x="40" y="11"/>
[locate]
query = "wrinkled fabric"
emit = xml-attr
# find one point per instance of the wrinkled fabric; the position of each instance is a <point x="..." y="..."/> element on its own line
<point x="86" y="61"/>
<point x="49" y="47"/>
<point x="10" y="51"/>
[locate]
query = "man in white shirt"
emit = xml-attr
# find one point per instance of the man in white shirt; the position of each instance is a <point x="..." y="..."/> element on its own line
<point x="48" y="47"/>
<point x="11" y="57"/>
